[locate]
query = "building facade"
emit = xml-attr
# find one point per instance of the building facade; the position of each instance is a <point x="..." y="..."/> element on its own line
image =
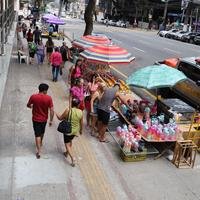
<point x="7" y="15"/>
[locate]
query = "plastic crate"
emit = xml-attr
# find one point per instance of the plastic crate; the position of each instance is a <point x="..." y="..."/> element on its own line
<point x="133" y="157"/>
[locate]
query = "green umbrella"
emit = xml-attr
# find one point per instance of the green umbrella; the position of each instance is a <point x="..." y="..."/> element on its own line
<point x="155" y="76"/>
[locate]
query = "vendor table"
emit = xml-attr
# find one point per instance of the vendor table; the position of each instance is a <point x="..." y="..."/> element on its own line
<point x="134" y="156"/>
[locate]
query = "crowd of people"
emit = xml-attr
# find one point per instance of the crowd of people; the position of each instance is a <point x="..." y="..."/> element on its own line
<point x="88" y="94"/>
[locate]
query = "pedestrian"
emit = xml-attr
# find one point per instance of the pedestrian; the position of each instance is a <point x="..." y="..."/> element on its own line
<point x="29" y="36"/>
<point x="56" y="61"/>
<point x="64" y="53"/>
<point x="41" y="104"/>
<point x="40" y="52"/>
<point x="56" y="28"/>
<point x="34" y="22"/>
<point x="24" y="29"/>
<point x="95" y="97"/>
<point x="37" y="35"/>
<point x="75" y="72"/>
<point x="51" y="29"/>
<point x="75" y="115"/>
<point x="77" y="92"/>
<point x="91" y="88"/>
<point x="49" y="48"/>
<point x="107" y="22"/>
<point x="103" y="110"/>
<point x="32" y="50"/>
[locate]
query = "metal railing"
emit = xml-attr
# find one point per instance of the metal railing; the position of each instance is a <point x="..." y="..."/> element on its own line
<point x="7" y="15"/>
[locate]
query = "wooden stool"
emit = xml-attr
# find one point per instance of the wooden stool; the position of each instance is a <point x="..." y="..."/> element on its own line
<point x="184" y="154"/>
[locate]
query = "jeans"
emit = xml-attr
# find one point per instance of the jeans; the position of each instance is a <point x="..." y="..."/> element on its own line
<point x="55" y="72"/>
<point x="40" y="58"/>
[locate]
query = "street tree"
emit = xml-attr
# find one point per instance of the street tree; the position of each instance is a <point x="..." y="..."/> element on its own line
<point x="88" y="17"/>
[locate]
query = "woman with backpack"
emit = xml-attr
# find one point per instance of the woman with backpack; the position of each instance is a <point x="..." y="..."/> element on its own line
<point x="49" y="48"/>
<point x="32" y="50"/>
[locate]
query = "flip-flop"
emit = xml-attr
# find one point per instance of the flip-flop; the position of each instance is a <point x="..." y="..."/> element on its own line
<point x="37" y="155"/>
<point x="73" y="164"/>
<point x="106" y="141"/>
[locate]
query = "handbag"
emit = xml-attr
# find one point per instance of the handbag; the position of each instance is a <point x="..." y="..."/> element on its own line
<point x="65" y="126"/>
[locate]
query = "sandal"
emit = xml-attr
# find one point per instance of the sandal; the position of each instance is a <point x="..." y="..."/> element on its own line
<point x="37" y="155"/>
<point x="73" y="164"/>
<point x="106" y="141"/>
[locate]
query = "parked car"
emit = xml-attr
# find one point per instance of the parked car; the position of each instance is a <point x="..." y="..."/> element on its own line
<point x="197" y="39"/>
<point x="190" y="67"/>
<point x="112" y="22"/>
<point x="172" y="34"/>
<point x="101" y="20"/>
<point x="189" y="89"/>
<point x="166" y="33"/>
<point x="179" y="34"/>
<point x="189" y="37"/>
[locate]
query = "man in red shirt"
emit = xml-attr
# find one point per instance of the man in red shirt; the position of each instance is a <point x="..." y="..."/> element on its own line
<point x="40" y="104"/>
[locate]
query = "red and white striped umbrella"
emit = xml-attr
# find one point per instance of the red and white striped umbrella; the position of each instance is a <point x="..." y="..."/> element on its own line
<point x="108" y="54"/>
<point x="90" y="40"/>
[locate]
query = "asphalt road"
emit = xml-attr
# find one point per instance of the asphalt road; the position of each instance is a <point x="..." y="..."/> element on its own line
<point x="146" y="46"/>
<point x="100" y="174"/>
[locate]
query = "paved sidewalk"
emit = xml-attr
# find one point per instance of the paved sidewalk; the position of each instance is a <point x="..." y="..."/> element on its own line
<point x="99" y="175"/>
<point x="5" y="60"/>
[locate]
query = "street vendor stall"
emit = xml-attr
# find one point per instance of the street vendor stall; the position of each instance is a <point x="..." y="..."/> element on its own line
<point x="49" y="19"/>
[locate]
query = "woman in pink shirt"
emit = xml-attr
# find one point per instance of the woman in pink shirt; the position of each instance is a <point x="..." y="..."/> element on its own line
<point x="56" y="60"/>
<point x="77" y="91"/>
<point x="75" y="72"/>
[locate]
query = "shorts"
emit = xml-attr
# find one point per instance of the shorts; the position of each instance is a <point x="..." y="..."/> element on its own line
<point x="39" y="128"/>
<point x="103" y="116"/>
<point x="49" y="49"/>
<point x="31" y="54"/>
<point x="68" y="138"/>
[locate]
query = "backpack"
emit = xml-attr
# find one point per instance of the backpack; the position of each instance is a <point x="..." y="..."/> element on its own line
<point x="33" y="47"/>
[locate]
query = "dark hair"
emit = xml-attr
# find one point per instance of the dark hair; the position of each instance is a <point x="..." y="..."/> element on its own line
<point x="117" y="84"/>
<point x="56" y="49"/>
<point x="43" y="87"/>
<point x="93" y="76"/>
<point x="77" y="62"/>
<point x="75" y="102"/>
<point x="36" y="28"/>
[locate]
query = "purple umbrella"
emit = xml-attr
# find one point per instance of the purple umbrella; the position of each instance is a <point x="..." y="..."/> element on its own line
<point x="56" y="21"/>
<point x="49" y="17"/>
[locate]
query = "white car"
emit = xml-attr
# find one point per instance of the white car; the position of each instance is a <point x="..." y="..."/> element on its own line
<point x="118" y="23"/>
<point x="178" y="35"/>
<point x="111" y="22"/>
<point x="164" y="33"/>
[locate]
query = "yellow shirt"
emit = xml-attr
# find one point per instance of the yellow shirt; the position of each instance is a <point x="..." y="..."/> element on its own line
<point x="76" y="116"/>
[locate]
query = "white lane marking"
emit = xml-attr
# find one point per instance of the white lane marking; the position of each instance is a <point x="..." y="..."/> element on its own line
<point x="178" y="52"/>
<point x="144" y="42"/>
<point x="138" y="49"/>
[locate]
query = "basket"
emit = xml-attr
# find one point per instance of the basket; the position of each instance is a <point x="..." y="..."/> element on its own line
<point x="133" y="157"/>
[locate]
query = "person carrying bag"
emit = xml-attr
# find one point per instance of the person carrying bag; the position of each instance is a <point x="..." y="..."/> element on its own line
<point x="65" y="126"/>
<point x="71" y="119"/>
